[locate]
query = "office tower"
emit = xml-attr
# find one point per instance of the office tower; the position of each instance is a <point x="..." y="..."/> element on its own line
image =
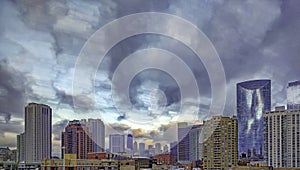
<point x="194" y="140"/>
<point x="166" y="149"/>
<point x="21" y="147"/>
<point x="253" y="100"/>
<point x="76" y="140"/>
<point x="293" y="95"/>
<point x="135" y="147"/>
<point x="151" y="150"/>
<point x="157" y="148"/>
<point x="183" y="142"/>
<point x="116" y="143"/>
<point x="38" y="132"/>
<point x="220" y="143"/>
<point x="282" y="139"/>
<point x="174" y="151"/>
<point x="130" y="142"/>
<point x="97" y="130"/>
<point x="142" y="149"/>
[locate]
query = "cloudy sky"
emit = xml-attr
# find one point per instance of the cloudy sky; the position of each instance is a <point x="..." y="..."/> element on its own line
<point x="40" y="42"/>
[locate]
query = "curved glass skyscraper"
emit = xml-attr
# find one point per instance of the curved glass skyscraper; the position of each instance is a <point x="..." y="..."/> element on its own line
<point x="253" y="100"/>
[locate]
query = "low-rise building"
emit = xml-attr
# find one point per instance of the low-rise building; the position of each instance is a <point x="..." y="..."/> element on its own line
<point x="70" y="161"/>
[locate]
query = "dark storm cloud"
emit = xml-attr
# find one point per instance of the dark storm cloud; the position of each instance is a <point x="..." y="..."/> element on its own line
<point x="59" y="127"/>
<point x="12" y="91"/>
<point x="40" y="41"/>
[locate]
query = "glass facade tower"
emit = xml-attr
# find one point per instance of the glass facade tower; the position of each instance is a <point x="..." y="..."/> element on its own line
<point x="253" y="100"/>
<point x="293" y="95"/>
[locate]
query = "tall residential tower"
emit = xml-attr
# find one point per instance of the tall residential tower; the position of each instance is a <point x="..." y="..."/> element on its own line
<point x="38" y="132"/>
<point x="253" y="100"/>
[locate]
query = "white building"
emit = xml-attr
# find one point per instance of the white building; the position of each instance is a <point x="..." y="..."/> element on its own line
<point x="38" y="132"/>
<point x="293" y="95"/>
<point x="282" y="138"/>
<point x="116" y="143"/>
<point x="97" y="129"/>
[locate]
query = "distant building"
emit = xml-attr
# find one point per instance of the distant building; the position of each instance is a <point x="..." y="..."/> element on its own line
<point x="72" y="162"/>
<point x="21" y="147"/>
<point x="130" y="142"/>
<point x="166" y="149"/>
<point x="157" y="148"/>
<point x="183" y="142"/>
<point x="293" y="95"/>
<point x="97" y="130"/>
<point x="220" y="148"/>
<point x="38" y="132"/>
<point x="282" y="139"/>
<point x="194" y="140"/>
<point x="142" y="149"/>
<point x="174" y="151"/>
<point x="7" y="155"/>
<point x="253" y="100"/>
<point x="76" y="140"/>
<point x="135" y="147"/>
<point x="116" y="143"/>
<point x="151" y="150"/>
<point x="164" y="158"/>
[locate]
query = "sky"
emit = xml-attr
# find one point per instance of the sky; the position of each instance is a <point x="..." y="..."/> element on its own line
<point x="40" y="42"/>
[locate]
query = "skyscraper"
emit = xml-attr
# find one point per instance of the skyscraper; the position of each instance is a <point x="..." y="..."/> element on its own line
<point x="151" y="150"/>
<point x="157" y="148"/>
<point x="21" y="147"/>
<point x="253" y="100"/>
<point x="194" y="140"/>
<point x="282" y="139"/>
<point x="38" y="132"/>
<point x="174" y="151"/>
<point x="116" y="143"/>
<point x="130" y="142"/>
<point x="142" y="147"/>
<point x="166" y="149"/>
<point x="135" y="148"/>
<point x="293" y="95"/>
<point x="183" y="142"/>
<point x="76" y="140"/>
<point x="97" y="129"/>
<point x="220" y="148"/>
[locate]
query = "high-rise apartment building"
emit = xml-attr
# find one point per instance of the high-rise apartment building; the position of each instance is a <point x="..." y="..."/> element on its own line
<point x="194" y="140"/>
<point x="174" y="151"/>
<point x="253" y="100"/>
<point x="293" y="95"/>
<point x="220" y="143"/>
<point x="21" y="147"/>
<point x="97" y="130"/>
<point x="183" y="142"/>
<point x="76" y="140"/>
<point x="282" y="138"/>
<point x="116" y="143"/>
<point x="38" y="132"/>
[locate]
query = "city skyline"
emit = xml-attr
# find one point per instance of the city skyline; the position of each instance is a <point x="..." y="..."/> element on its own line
<point x="40" y="43"/>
